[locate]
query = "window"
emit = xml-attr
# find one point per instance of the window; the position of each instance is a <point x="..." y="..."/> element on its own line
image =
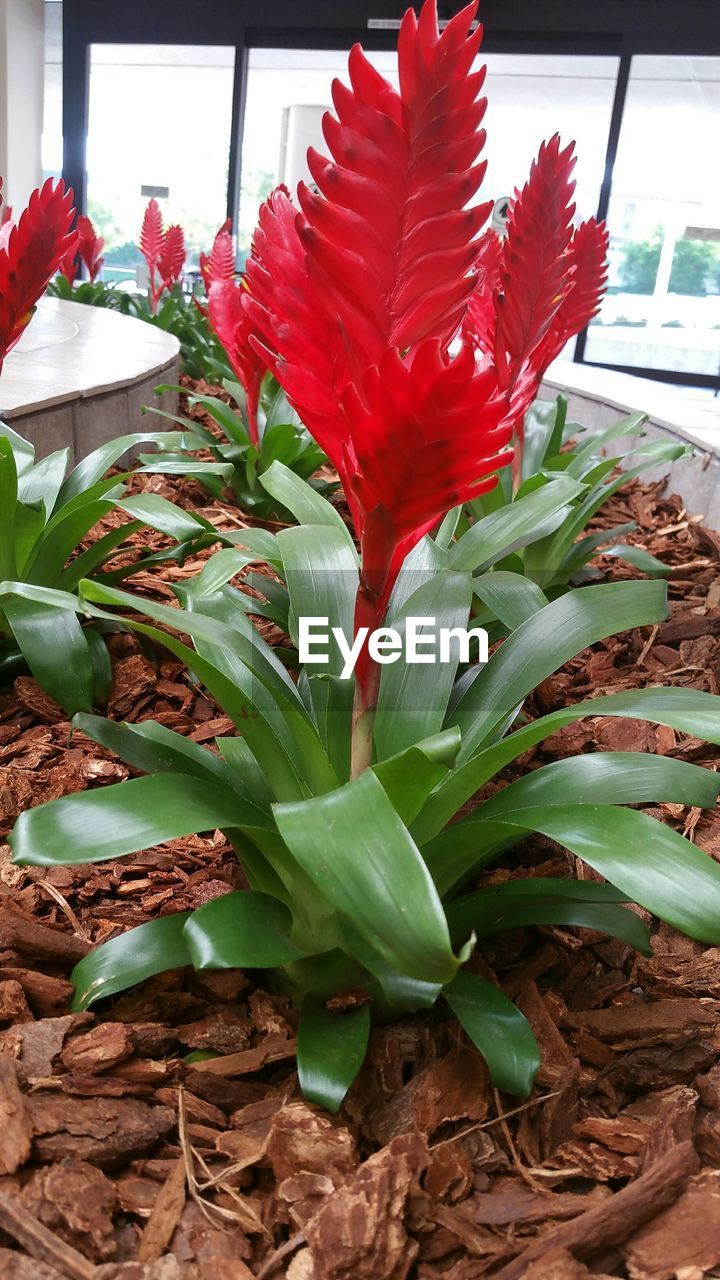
<point x="159" y="124"/>
<point x="530" y="97"/>
<point x="662" y="310"/>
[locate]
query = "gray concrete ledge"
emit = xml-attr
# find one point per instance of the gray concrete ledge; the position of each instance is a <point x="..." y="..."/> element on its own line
<point x="80" y="376"/>
<point x="598" y="397"/>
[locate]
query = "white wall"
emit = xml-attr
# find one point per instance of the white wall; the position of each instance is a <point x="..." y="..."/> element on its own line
<point x="22" y="66"/>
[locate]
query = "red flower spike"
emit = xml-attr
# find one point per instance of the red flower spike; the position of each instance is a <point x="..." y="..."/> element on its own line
<point x="172" y="257"/>
<point x="302" y="344"/>
<point x="588" y="257"/>
<point x="357" y="298"/>
<point x="479" y="322"/>
<point x="234" y="327"/>
<point x="69" y="265"/>
<point x="391" y="243"/>
<point x="90" y="246"/>
<point x="35" y="247"/>
<point x="151" y="234"/>
<point x="152" y="239"/>
<point x="219" y="263"/>
<point x="536" y="269"/>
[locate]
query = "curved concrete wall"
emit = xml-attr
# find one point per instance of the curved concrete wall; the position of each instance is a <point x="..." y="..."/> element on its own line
<point x="80" y="376"/>
<point x="598" y="397"/>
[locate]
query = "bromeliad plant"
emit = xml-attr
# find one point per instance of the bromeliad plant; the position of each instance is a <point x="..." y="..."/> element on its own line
<point x="262" y="427"/>
<point x="340" y="797"/>
<point x="47" y="515"/>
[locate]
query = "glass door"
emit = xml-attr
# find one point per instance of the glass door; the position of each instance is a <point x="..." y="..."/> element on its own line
<point x="159" y="125"/>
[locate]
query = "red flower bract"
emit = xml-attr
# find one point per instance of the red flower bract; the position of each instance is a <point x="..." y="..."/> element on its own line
<point x="233" y="328"/>
<point x="90" y="246"/>
<point x="359" y="296"/>
<point x="219" y="263"/>
<point x="35" y="246"/>
<point x="163" y="251"/>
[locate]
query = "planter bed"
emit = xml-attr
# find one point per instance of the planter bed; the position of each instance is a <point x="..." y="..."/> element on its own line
<point x="164" y="1137"/>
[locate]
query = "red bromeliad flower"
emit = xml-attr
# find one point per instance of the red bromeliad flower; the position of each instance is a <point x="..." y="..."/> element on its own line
<point x="90" y="246"/>
<point x="544" y="283"/>
<point x="69" y="265"/>
<point x="234" y="327"/>
<point x="163" y="251"/>
<point x="359" y="296"/>
<point x="219" y="263"/>
<point x="30" y="256"/>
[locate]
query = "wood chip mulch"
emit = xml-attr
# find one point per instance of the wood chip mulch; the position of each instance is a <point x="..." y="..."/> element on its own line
<point x="122" y="1160"/>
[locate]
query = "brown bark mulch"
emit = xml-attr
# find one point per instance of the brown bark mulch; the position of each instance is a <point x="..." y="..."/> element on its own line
<point x="126" y="1153"/>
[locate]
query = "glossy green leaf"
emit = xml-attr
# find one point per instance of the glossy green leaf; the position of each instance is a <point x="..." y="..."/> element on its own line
<point x="686" y="710"/>
<point x="320" y="568"/>
<point x="499" y="1030"/>
<point x="244" y="930"/>
<point x="132" y="957"/>
<point x="355" y="848"/>
<point x="331" y="1049"/>
<point x="641" y="559"/>
<point x="413" y="697"/>
<point x="511" y="597"/>
<point x="409" y="777"/>
<point x="542" y="644"/>
<point x="513" y="526"/>
<point x="8" y="502"/>
<point x="54" y="646"/>
<point x="306" y="504"/>
<point x="584" y="904"/>
<point x="95" y="826"/>
<point x="644" y="858"/>
<point x="153" y="748"/>
<point x="164" y="516"/>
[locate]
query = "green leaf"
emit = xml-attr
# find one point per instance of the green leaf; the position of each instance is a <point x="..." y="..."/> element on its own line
<point x="299" y="497"/>
<point x="647" y="860"/>
<point x="131" y="958"/>
<point x="320" y="569"/>
<point x="514" y="526"/>
<point x="543" y="643"/>
<point x="362" y="859"/>
<point x="413" y="697"/>
<point x="584" y="904"/>
<point x="686" y="710"/>
<point x="95" y="826"/>
<point x="8" y="503"/>
<point x="153" y="748"/>
<point x="409" y="777"/>
<point x="641" y="559"/>
<point x="511" y="597"/>
<point x="54" y="646"/>
<point x="244" y="930"/>
<point x="615" y="777"/>
<point x="93" y="467"/>
<point x="542" y="434"/>
<point x="499" y="1030"/>
<point x="331" y="1049"/>
<point x="165" y="516"/>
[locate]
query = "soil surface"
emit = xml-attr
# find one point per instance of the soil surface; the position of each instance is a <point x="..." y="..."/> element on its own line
<point x="123" y="1159"/>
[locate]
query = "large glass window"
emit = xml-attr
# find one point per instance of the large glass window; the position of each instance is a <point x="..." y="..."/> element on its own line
<point x="530" y="97"/>
<point x="662" y="310"/>
<point x="159" y="124"/>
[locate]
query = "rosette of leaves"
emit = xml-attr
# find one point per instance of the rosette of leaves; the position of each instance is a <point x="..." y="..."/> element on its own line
<point x="370" y="882"/>
<point x="47" y="515"/>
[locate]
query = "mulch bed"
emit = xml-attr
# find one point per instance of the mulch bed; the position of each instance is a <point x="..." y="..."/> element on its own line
<point x="122" y="1160"/>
